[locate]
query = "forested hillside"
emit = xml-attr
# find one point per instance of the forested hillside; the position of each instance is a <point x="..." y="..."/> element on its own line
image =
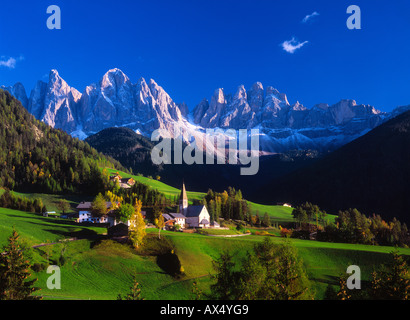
<point x="36" y="157"/>
<point x="131" y="149"/>
<point x="371" y="174"/>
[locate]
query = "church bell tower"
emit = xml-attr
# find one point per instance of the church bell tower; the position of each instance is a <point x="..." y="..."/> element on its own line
<point x="183" y="200"/>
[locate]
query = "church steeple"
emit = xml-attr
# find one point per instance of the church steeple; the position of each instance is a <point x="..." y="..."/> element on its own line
<point x="183" y="200"/>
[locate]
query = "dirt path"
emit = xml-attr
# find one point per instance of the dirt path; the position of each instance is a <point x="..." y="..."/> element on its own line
<point x="229" y="235"/>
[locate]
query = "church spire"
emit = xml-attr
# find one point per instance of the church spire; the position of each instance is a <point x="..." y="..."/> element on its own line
<point x="183" y="195"/>
<point x="183" y="199"/>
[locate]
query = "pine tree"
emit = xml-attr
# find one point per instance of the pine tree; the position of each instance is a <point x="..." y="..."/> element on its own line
<point x="14" y="272"/>
<point x="225" y="278"/>
<point x="196" y="292"/>
<point x="266" y="220"/>
<point x="134" y="294"/>
<point x="394" y="283"/>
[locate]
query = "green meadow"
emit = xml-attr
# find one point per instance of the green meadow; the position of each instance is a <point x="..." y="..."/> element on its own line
<point x="102" y="269"/>
<point x="93" y="267"/>
<point x="35" y="229"/>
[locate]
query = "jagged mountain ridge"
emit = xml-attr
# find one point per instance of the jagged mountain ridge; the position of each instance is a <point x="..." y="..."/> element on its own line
<point x="285" y="126"/>
<point x="145" y="106"/>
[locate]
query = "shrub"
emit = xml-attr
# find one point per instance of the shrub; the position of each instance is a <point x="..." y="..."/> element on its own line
<point x="38" y="267"/>
<point x="262" y="233"/>
<point x="170" y="263"/>
<point x="285" y="233"/>
<point x="155" y="247"/>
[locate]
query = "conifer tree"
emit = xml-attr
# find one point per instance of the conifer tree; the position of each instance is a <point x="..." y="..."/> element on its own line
<point x="134" y="294"/>
<point x="393" y="283"/>
<point x="15" y="272"/>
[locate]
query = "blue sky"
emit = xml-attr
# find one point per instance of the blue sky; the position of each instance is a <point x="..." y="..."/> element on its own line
<point x="193" y="47"/>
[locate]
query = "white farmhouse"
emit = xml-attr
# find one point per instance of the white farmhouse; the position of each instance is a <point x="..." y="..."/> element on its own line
<point x="85" y="215"/>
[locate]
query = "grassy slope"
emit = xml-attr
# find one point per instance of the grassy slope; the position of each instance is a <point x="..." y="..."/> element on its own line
<point x="278" y="214"/>
<point x="35" y="229"/>
<point x="100" y="272"/>
<point x="325" y="262"/>
<point x="105" y="270"/>
<point x="51" y="200"/>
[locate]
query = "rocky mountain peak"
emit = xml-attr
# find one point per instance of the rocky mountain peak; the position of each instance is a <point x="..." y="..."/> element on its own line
<point x="146" y="106"/>
<point x="114" y="78"/>
<point x="240" y="93"/>
<point x="219" y="96"/>
<point x="19" y="92"/>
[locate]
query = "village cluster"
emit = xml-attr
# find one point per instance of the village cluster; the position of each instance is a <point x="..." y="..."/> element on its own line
<point x="188" y="217"/>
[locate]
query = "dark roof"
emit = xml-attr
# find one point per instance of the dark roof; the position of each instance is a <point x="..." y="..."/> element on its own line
<point x="88" y="205"/>
<point x="177" y="215"/>
<point x="84" y="205"/>
<point x="192" y="222"/>
<point x="167" y="216"/>
<point x="204" y="221"/>
<point x="194" y="211"/>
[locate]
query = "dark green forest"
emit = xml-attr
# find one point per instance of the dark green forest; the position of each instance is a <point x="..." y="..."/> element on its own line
<point x="371" y="173"/>
<point x="37" y="158"/>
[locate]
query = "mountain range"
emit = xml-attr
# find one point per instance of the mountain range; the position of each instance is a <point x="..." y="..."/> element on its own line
<point x="368" y="168"/>
<point x="145" y="106"/>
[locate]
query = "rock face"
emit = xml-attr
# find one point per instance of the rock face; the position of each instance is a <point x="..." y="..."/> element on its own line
<point x="115" y="101"/>
<point x="60" y="103"/>
<point x="284" y="126"/>
<point x="18" y="92"/>
<point x="54" y="102"/>
<point x="144" y="106"/>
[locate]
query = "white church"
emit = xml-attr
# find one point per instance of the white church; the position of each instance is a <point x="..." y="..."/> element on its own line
<point x="190" y="216"/>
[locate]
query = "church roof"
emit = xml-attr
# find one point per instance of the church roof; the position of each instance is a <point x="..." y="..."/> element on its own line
<point x="177" y="215"/>
<point x="194" y="211"/>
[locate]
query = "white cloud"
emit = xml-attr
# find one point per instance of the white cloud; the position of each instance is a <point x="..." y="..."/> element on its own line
<point x="292" y="45"/>
<point x="310" y="16"/>
<point x="9" y="62"/>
